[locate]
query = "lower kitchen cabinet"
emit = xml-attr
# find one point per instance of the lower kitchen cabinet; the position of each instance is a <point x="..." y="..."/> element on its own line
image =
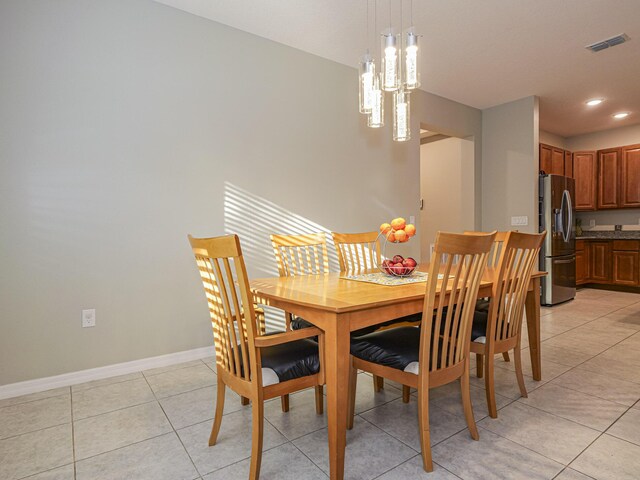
<point x="600" y="261"/>
<point x="609" y="262"/>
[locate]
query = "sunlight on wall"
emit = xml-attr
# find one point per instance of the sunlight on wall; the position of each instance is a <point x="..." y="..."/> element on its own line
<point x="253" y="219"/>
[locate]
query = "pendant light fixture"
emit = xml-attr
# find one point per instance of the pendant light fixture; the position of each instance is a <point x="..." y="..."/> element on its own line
<point x="411" y="56"/>
<point x="367" y="71"/>
<point x="399" y="73"/>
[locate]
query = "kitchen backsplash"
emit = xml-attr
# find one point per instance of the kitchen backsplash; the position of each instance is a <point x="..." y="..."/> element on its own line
<point x="606" y="220"/>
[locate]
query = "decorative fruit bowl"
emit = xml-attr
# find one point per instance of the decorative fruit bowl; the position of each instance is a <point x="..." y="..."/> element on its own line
<point x="398" y="231"/>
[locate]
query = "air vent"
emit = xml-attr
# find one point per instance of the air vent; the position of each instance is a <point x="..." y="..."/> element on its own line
<point x="609" y="42"/>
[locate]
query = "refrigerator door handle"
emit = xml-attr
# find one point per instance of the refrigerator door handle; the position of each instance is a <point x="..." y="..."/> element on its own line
<point x="566" y="202"/>
<point x="565" y="261"/>
<point x="570" y="228"/>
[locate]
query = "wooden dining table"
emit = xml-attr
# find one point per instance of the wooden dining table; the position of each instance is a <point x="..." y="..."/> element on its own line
<point x="338" y="306"/>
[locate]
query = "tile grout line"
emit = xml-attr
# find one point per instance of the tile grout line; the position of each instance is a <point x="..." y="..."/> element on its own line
<point x="73" y="435"/>
<point x="175" y="432"/>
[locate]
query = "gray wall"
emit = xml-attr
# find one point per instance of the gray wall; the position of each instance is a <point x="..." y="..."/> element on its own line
<point x="126" y="125"/>
<point x="510" y="164"/>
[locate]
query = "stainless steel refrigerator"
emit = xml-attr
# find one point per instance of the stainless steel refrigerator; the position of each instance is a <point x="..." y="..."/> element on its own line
<point x="558" y="252"/>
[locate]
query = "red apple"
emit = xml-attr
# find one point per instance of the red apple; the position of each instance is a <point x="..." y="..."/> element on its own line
<point x="410" y="262"/>
<point x="398" y="269"/>
<point x="398" y="259"/>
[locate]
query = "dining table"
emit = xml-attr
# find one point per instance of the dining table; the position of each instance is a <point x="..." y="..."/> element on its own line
<point x="339" y="305"/>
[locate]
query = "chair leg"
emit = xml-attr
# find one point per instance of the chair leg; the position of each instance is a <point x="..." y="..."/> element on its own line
<point x="423" y="424"/>
<point x="505" y="355"/>
<point x="378" y="383"/>
<point x="319" y="400"/>
<point x="489" y="386"/>
<point x="218" y="417"/>
<point x="256" y="439"/>
<point x="244" y="401"/>
<point x="406" y="393"/>
<point x="284" y="401"/>
<point x="518" y="363"/>
<point x="353" y="382"/>
<point x="479" y="365"/>
<point x="466" y="402"/>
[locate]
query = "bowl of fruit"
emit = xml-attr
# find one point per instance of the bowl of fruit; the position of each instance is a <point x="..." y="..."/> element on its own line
<point x="399" y="266"/>
<point x="397" y="231"/>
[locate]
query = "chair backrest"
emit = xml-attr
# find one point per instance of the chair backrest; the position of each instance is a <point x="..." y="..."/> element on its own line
<point x="493" y="258"/>
<point x="446" y="321"/>
<point x="304" y="254"/>
<point x="357" y="252"/>
<point x="518" y="258"/>
<point x="233" y="317"/>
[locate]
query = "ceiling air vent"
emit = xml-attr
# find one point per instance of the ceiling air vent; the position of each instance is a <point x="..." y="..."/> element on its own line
<point x="609" y="42"/>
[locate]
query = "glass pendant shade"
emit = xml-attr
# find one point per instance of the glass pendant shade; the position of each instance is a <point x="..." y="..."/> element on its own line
<point x="390" y="61"/>
<point x="366" y="78"/>
<point x="376" y="117"/>
<point x="401" y="116"/>
<point x="411" y="61"/>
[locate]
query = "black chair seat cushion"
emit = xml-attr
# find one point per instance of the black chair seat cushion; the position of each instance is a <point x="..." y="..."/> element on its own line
<point x="298" y="322"/>
<point x="479" y="328"/>
<point x="483" y="304"/>
<point x="292" y="359"/>
<point x="395" y="348"/>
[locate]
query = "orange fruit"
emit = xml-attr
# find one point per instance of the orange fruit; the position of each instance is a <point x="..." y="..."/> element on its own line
<point x="410" y="229"/>
<point x="385" y="227"/>
<point x="401" y="236"/>
<point x="391" y="236"/>
<point x="398" y="223"/>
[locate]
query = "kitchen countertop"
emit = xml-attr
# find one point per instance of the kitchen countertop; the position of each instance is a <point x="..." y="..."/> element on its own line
<point x="609" y="235"/>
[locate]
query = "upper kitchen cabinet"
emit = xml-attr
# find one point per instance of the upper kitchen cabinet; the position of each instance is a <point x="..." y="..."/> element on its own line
<point x="552" y="160"/>
<point x="608" y="178"/>
<point x="630" y="177"/>
<point x="585" y="174"/>
<point x="568" y="164"/>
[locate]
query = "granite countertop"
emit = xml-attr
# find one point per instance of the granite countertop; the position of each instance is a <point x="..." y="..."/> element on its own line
<point x="609" y="235"/>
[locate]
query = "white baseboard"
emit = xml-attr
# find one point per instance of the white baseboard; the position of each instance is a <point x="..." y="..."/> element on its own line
<point x="73" y="378"/>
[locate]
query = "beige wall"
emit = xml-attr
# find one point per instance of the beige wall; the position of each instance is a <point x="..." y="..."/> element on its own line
<point x="616" y="137"/>
<point x="447" y="186"/>
<point x="127" y="125"/>
<point x="552" y="139"/>
<point x="510" y="164"/>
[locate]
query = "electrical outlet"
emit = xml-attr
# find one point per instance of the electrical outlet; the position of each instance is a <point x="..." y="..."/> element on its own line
<point x="520" y="221"/>
<point x="592" y="223"/>
<point x="412" y="220"/>
<point x="89" y="318"/>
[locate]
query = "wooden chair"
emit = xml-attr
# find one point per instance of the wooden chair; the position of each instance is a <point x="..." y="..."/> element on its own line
<point x="304" y="254"/>
<point x="255" y="366"/>
<point x="492" y="262"/>
<point x="424" y="358"/>
<point x="359" y="253"/>
<point x="499" y="329"/>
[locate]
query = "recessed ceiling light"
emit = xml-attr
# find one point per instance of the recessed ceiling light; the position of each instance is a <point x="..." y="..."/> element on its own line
<point x="594" y="101"/>
<point x="620" y="115"/>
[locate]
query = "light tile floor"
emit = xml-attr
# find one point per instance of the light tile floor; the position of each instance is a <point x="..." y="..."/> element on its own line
<point x="582" y="421"/>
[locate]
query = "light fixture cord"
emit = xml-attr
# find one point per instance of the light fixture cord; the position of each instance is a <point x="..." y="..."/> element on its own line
<point x="411" y="12"/>
<point x="368" y="33"/>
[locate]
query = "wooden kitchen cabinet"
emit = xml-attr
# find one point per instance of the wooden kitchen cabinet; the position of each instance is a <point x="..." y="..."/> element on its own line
<point x="608" y="178"/>
<point x="630" y="177"/>
<point x="582" y="262"/>
<point x="568" y="164"/>
<point x="545" y="158"/>
<point x="585" y="174"/>
<point x="600" y="262"/>
<point x="552" y="160"/>
<point x="557" y="161"/>
<point x="626" y="262"/>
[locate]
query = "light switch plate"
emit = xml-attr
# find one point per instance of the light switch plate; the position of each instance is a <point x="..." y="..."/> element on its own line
<point x="520" y="221"/>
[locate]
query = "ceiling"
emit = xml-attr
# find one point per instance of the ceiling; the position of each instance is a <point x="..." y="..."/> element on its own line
<point x="480" y="53"/>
